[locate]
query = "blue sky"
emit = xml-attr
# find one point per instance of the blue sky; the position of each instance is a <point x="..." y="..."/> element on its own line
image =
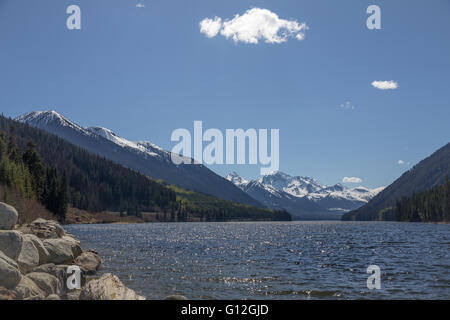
<point x="145" y="71"/>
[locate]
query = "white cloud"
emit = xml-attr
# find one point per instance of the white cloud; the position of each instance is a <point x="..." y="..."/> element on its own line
<point x="401" y="162"/>
<point x="347" y="106"/>
<point x="211" y="27"/>
<point x="351" y="180"/>
<point x="140" y="5"/>
<point x="385" y="85"/>
<point x="254" y="25"/>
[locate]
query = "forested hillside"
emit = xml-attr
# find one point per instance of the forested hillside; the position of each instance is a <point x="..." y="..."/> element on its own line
<point x="52" y="171"/>
<point x="427" y="174"/>
<point x="26" y="183"/>
<point x="67" y="175"/>
<point x="430" y="206"/>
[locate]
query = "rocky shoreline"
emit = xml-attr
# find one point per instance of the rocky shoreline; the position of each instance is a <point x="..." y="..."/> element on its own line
<point x="37" y="262"/>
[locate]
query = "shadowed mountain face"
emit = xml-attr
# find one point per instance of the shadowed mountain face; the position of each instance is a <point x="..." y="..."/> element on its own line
<point x="143" y="157"/>
<point x="305" y="198"/>
<point x="427" y="174"/>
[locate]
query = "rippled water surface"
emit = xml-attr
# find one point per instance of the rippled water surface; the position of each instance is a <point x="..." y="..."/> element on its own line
<point x="286" y="260"/>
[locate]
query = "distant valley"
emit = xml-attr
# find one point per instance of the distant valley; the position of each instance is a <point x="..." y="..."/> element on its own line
<point x="304" y="197"/>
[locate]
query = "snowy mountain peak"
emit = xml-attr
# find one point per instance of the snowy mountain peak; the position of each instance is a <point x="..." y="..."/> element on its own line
<point x="236" y="179"/>
<point x="336" y="188"/>
<point x="104" y="132"/>
<point x="149" y="145"/>
<point x="145" y="147"/>
<point x="111" y="136"/>
<point x="49" y="118"/>
<point x="39" y="116"/>
<point x="295" y="186"/>
<point x="276" y="174"/>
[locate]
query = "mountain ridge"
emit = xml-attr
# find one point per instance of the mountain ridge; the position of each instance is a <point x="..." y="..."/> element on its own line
<point x="143" y="157"/>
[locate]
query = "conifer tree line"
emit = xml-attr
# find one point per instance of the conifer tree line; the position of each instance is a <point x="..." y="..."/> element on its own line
<point x="24" y="171"/>
<point x="429" y="206"/>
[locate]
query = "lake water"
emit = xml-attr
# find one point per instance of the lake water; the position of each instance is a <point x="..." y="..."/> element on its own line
<point x="275" y="260"/>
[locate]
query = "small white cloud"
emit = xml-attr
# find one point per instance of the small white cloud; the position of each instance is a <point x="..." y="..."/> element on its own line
<point x="401" y="162"/>
<point x="351" y="180"/>
<point x="347" y="106"/>
<point x="211" y="27"/>
<point x="140" y="5"/>
<point x="254" y="25"/>
<point x="385" y="85"/>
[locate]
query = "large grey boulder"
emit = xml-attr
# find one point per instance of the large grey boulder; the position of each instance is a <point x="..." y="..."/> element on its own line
<point x="9" y="272"/>
<point x="44" y="255"/>
<point x="28" y="290"/>
<point x="71" y="238"/>
<point x="89" y="261"/>
<point x="108" y="287"/>
<point x="74" y="243"/>
<point x="44" y="229"/>
<point x="46" y="282"/>
<point x="60" y="251"/>
<point x="28" y="257"/>
<point x="8" y="216"/>
<point x="11" y="243"/>
<point x="59" y="271"/>
<point x="53" y="297"/>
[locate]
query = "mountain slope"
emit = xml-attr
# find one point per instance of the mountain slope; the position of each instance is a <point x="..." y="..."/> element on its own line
<point x="97" y="184"/>
<point x="430" y="206"/>
<point x="427" y="174"/>
<point x="91" y="183"/>
<point x="143" y="157"/>
<point x="304" y="197"/>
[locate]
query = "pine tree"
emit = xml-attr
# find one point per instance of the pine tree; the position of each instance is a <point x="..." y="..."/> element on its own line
<point x="62" y="196"/>
<point x="33" y="162"/>
<point x="3" y="148"/>
<point x="13" y="150"/>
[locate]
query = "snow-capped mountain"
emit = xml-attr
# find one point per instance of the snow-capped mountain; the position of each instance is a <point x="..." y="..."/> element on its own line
<point x="144" y="147"/>
<point x="304" y="197"/>
<point x="142" y="156"/>
<point x="55" y="123"/>
<point x="236" y="179"/>
<point x="50" y="118"/>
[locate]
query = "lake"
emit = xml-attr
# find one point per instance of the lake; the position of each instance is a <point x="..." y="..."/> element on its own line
<point x="275" y="260"/>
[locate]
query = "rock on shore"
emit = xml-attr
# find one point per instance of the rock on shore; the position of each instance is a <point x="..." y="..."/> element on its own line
<point x="8" y="216"/>
<point x="108" y="287"/>
<point x="34" y="260"/>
